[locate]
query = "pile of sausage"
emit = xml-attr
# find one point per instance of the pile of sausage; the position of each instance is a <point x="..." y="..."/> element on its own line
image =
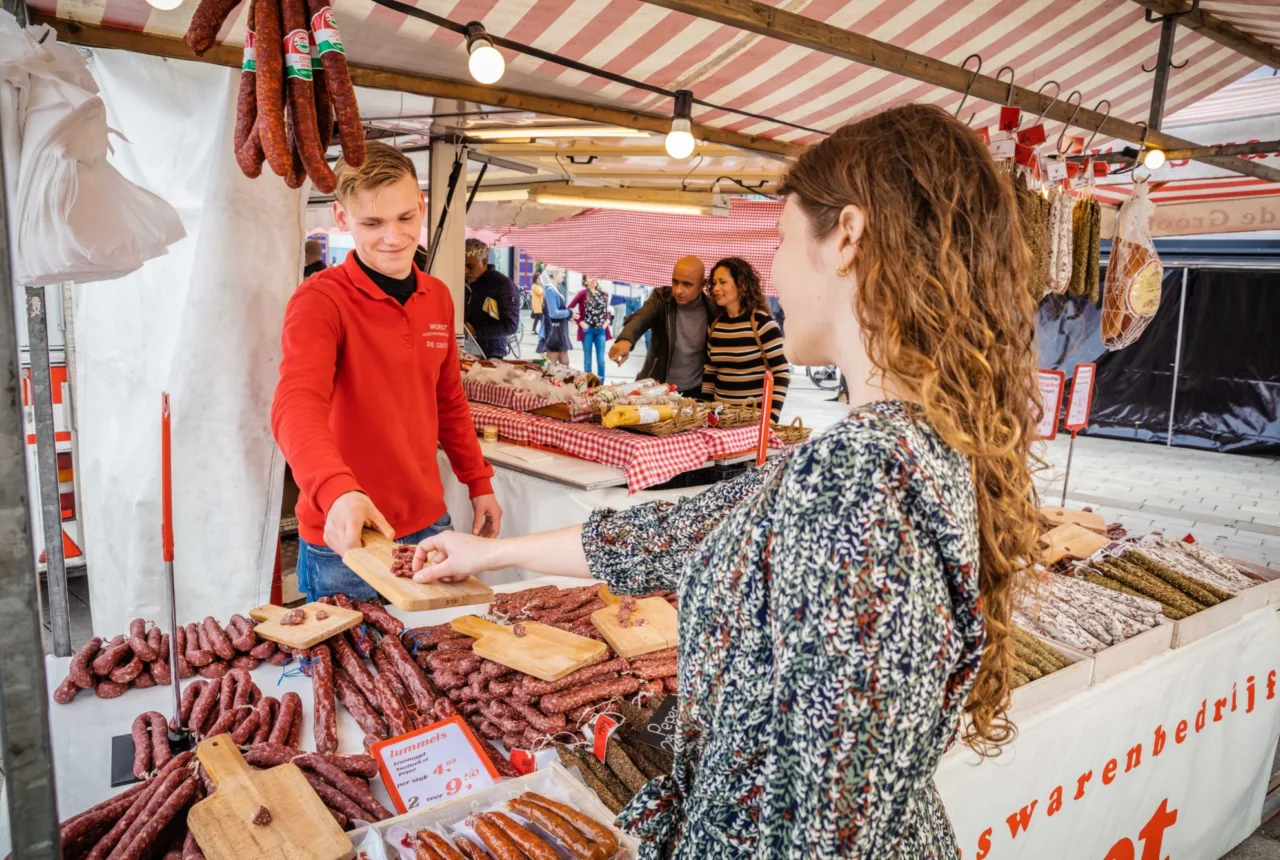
<point x="341" y="781"/>
<point x="578" y="835"/>
<point x="522" y="711"/>
<point x="295" y="86"/>
<point x="629" y="760"/>
<point x="138" y="659"/>
<point x="210" y="650"/>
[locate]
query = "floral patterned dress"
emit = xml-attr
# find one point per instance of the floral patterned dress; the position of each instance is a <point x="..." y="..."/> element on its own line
<point x="830" y="631"/>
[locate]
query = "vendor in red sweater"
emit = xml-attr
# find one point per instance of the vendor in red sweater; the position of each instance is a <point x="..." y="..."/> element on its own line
<point x="369" y="386"/>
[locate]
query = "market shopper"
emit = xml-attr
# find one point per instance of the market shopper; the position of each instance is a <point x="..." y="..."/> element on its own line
<point x="555" y="327"/>
<point x="313" y="258"/>
<point x="370" y="386"/>
<point x="677" y="317"/>
<point x="535" y="303"/>
<point x="492" y="310"/>
<point x="744" y="342"/>
<point x="591" y="312"/>
<point x="845" y="605"/>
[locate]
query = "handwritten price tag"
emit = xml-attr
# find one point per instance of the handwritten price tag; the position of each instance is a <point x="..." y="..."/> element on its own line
<point x="661" y="729"/>
<point x="1052" y="383"/>
<point x="436" y="763"/>
<point x="1081" y="398"/>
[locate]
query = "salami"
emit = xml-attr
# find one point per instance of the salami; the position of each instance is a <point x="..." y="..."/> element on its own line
<point x="142" y="649"/>
<point x="302" y="95"/>
<point x="218" y="640"/>
<point x="79" y="832"/>
<point x="424" y="695"/>
<point x="359" y="707"/>
<point x="592" y="691"/>
<point x="269" y="47"/>
<point x="357" y="790"/>
<point x="290" y="711"/>
<point x="78" y="671"/>
<point x="116" y="652"/>
<point x="250" y="157"/>
<point x="534" y="687"/>
<point x="338" y="81"/>
<point x="354" y="666"/>
<point x="326" y="718"/>
<point x="205" y="23"/>
<point x="387" y="624"/>
<point x="141" y="732"/>
<point x="392" y="706"/>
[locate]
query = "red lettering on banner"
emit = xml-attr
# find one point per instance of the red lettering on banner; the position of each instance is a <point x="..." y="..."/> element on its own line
<point x="984" y="844"/>
<point x="1055" y="800"/>
<point x="1233" y="696"/>
<point x="1249" y="695"/>
<point x="1158" y="746"/>
<point x="1109" y="772"/>
<point x="1134" y="758"/>
<point x="1084" y="777"/>
<point x="1200" y="717"/>
<point x="1021" y="819"/>
<point x="1271" y="684"/>
<point x="1217" y="709"/>
<point x="1181" y="734"/>
<point x="1122" y="850"/>
<point x="1153" y="834"/>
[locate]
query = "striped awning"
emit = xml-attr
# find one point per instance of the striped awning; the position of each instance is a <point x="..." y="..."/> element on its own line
<point x="1095" y="46"/>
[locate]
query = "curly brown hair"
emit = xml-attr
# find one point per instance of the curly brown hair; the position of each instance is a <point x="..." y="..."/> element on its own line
<point x="940" y="295"/>
<point x="750" y="293"/>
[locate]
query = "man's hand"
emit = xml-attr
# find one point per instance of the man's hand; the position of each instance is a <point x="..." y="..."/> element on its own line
<point x="488" y="516"/>
<point x="348" y="515"/>
<point x="619" y="352"/>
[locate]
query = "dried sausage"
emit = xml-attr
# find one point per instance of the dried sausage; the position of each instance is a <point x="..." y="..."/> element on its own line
<point x="79" y="669"/>
<point x="536" y="719"/>
<point x="290" y="711"/>
<point x="196" y="656"/>
<point x="109" y="690"/>
<point x="166" y="784"/>
<point x="392" y="706"/>
<point x="239" y="628"/>
<point x="250" y="156"/>
<point x="387" y="624"/>
<point x="354" y="666"/>
<point x="147" y="791"/>
<point x="592" y="829"/>
<point x="95" y="821"/>
<point x="144" y="680"/>
<point x="245" y="663"/>
<point x="302" y="95"/>
<point x="267" y="710"/>
<point x="338" y="80"/>
<point x="209" y="17"/>
<point x="269" y="46"/>
<point x="214" y="671"/>
<point x="245" y="731"/>
<point x="278" y="658"/>
<point x="360" y="640"/>
<point x="142" y="649"/>
<point x="559" y="827"/>
<point x="335" y="799"/>
<point x="465" y="643"/>
<point x="326" y="716"/>
<point x="218" y="640"/>
<point x="202" y="710"/>
<point x="156" y="640"/>
<point x="359" y="707"/>
<point x="116" y="652"/>
<point x="263" y="650"/>
<point x="191" y="848"/>
<point x="293" y="617"/>
<point x="189" y="694"/>
<point x="141" y="746"/>
<point x="458" y="662"/>
<point x="424" y="696"/>
<point x="534" y="687"/>
<point x="559" y="703"/>
<point x="126" y="672"/>
<point x="66" y="691"/>
<point x="324" y="110"/>
<point x="160" y="753"/>
<point x="357" y="790"/>
<point x="182" y="795"/>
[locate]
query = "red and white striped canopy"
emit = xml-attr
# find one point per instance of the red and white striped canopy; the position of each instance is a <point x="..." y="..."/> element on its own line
<point x="1096" y="46"/>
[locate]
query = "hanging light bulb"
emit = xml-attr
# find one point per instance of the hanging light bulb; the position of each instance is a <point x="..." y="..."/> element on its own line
<point x="165" y="5"/>
<point x="680" y="141"/>
<point x="1153" y="160"/>
<point x="485" y="62"/>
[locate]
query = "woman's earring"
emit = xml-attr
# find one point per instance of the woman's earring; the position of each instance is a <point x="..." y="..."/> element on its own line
<point x="843" y="271"/>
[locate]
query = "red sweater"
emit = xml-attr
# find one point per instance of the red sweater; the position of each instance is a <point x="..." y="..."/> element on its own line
<point x="367" y="389"/>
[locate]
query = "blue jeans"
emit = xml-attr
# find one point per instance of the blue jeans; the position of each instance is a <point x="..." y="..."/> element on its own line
<point x="322" y="573"/>
<point x="593" y="338"/>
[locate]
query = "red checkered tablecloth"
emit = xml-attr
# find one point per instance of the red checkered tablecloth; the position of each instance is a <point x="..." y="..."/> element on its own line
<point x="513" y="398"/>
<point x="722" y="444"/>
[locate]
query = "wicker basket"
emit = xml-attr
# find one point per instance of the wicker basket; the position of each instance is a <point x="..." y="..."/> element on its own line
<point x="793" y="433"/>
<point x="730" y="416"/>
<point x="690" y="415"/>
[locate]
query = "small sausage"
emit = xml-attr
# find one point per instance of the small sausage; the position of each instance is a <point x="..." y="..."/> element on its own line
<point x="196" y="656"/>
<point x="592" y="829"/>
<point x="202" y="710"/>
<point x="360" y="640"/>
<point x="592" y="691"/>
<point x="126" y="672"/>
<point x="559" y="827"/>
<point x="80" y="832"/>
<point x="116" y="652"/>
<point x="269" y="45"/>
<point x="224" y="724"/>
<point x="218" y="639"/>
<point x="290" y="710"/>
<point x="142" y="649"/>
<point x="109" y="690"/>
<point x="141" y="746"/>
<point x="79" y="669"/>
<point x="322" y="683"/>
<point x="536" y="719"/>
<point x="144" y="680"/>
<point x="386" y="623"/>
<point x="359" y="707"/>
<point x="464" y="644"/>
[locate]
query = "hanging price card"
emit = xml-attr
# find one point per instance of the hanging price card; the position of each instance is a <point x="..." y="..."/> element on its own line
<point x="984" y="134"/>
<point x="1081" y="398"/>
<point x="439" y="762"/>
<point x="1010" y="118"/>
<point x="1055" y="170"/>
<point x="1052" y="383"/>
<point x="1002" y="148"/>
<point x="1032" y="135"/>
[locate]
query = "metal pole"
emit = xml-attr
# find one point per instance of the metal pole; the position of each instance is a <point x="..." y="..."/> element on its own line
<point x="476" y="187"/>
<point x="47" y="471"/>
<point x="24" y="697"/>
<point x="1164" y="62"/>
<point x="1177" y="358"/>
<point x="1066" y="476"/>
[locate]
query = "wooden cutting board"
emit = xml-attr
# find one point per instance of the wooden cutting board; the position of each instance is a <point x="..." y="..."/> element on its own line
<point x="660" y="629"/>
<point x="310" y="632"/>
<point x="301" y="828"/>
<point x="545" y="652"/>
<point x="1069" y="541"/>
<point x="372" y="563"/>
<point x="1056" y="516"/>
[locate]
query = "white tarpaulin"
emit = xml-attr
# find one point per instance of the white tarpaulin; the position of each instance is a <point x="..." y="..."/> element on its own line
<point x="1167" y="760"/>
<point x="204" y="324"/>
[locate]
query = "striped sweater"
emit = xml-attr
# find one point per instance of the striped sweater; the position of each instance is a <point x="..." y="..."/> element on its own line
<point x="735" y="368"/>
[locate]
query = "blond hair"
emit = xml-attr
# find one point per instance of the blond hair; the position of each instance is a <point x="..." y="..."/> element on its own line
<point x="382" y="165"/>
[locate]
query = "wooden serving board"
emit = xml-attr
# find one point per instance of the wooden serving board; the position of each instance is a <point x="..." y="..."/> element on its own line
<point x="660" y="629"/>
<point x="1056" y="516"/>
<point x="372" y="563"/>
<point x="301" y="828"/>
<point x="545" y="652"/>
<point x="1069" y="541"/>
<point x="310" y="632"/>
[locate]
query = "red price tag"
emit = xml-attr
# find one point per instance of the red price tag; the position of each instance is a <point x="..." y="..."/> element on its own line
<point x="1101" y="168"/>
<point x="523" y="761"/>
<point x="1025" y="155"/>
<point x="605" y="726"/>
<point x="1081" y="398"/>
<point x="984" y="134"/>
<point x="1009" y="118"/>
<point x="1032" y="136"/>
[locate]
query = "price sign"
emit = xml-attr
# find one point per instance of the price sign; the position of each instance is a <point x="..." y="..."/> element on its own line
<point x="1010" y="118"/>
<point x="439" y="762"/>
<point x="1052" y="383"/>
<point x="1003" y="148"/>
<point x="1032" y="136"/>
<point x="1081" y="398"/>
<point x="661" y="729"/>
<point x="1055" y="171"/>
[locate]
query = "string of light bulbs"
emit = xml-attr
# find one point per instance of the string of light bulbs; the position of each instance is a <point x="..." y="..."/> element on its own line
<point x="486" y="65"/>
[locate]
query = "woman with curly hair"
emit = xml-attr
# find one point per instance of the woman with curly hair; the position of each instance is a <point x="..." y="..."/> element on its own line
<point x="744" y="342"/>
<point x="845" y="609"/>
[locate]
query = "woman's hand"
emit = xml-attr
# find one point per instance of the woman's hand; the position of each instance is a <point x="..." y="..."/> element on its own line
<point x="451" y="557"/>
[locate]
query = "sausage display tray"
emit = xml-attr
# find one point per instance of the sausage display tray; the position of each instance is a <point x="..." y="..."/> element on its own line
<point x="554" y="781"/>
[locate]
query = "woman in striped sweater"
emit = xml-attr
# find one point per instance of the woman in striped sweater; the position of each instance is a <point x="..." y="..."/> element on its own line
<point x="744" y="341"/>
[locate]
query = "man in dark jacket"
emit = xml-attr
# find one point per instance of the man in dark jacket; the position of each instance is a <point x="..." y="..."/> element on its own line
<point x="493" y="304"/>
<point x="677" y="317"/>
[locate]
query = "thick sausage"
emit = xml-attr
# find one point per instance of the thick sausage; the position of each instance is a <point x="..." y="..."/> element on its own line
<point x="189" y="694"/>
<point x="142" y="649"/>
<point x="269" y="46"/>
<point x="290" y="710"/>
<point x="126" y="672"/>
<point x="326" y="714"/>
<point x="66" y="691"/>
<point x="499" y="844"/>
<point x="196" y="655"/>
<point x="267" y="710"/>
<point x="559" y="827"/>
<point x="202" y="710"/>
<point x="354" y="666"/>
<point x="109" y="690"/>
<point x="324" y="109"/>
<point x="144" y="680"/>
<point x="302" y="94"/>
<point x="441" y="846"/>
<point x="263" y="649"/>
<point x="392" y="706"/>
<point x="534" y="687"/>
<point x="116" y="652"/>
<point x="214" y="671"/>
<point x="183" y="794"/>
<point x="387" y="624"/>
<point x="141" y="746"/>
<point x="359" y="707"/>
<point x="205" y="23"/>
<point x="356" y="789"/>
<point x="79" y="669"/>
<point x="160" y="752"/>
<point x="424" y="695"/>
<point x="244" y="731"/>
<point x="142" y="799"/>
<point x="218" y="640"/>
<point x="592" y="829"/>
<point x="335" y="799"/>
<point x="338" y="80"/>
<point x="592" y="691"/>
<point x="239" y="628"/>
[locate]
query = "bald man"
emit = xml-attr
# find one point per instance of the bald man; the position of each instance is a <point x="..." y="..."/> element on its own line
<point x="678" y="317"/>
